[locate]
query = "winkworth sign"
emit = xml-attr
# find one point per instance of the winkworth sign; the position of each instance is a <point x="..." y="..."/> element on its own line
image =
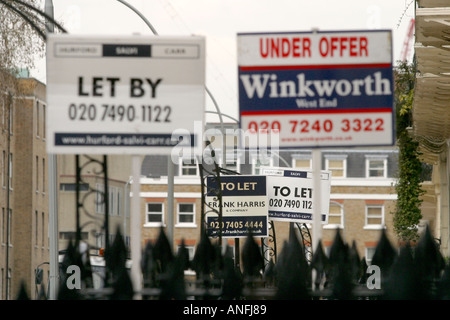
<point x="318" y="88"/>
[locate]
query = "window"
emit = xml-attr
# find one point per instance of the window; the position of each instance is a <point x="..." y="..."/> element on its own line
<point x="43" y="120"/>
<point x="71" y="235"/>
<point x="232" y="160"/>
<point x="43" y="229"/>
<point x="73" y="186"/>
<point x="190" y="250"/>
<point x="99" y="198"/>
<point x="112" y="200"/>
<point x="337" y="166"/>
<point x="186" y="213"/>
<point x="3" y="110"/>
<point x="37" y="174"/>
<point x="260" y="161"/>
<point x="36" y="223"/>
<point x="376" y="167"/>
<point x="370" y="251"/>
<point x="37" y="119"/>
<point x="3" y="226"/>
<point x="427" y="172"/>
<point x="232" y="164"/>
<point x="118" y="203"/>
<point x="188" y="167"/>
<point x="4" y="174"/>
<point x="335" y="216"/>
<point x="374" y="216"/>
<point x="11" y="119"/>
<point x="302" y="163"/>
<point x="43" y="175"/>
<point x="154" y="213"/>
<point x="10" y="171"/>
<point x="8" y="226"/>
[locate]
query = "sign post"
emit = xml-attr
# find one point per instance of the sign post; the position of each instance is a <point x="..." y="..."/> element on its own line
<point x="291" y="194"/>
<point x="317" y="89"/>
<point x="244" y="206"/>
<point x="125" y="95"/>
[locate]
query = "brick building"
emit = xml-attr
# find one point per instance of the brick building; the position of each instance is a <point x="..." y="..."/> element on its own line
<point x="24" y="198"/>
<point x="361" y="201"/>
<point x="92" y="212"/>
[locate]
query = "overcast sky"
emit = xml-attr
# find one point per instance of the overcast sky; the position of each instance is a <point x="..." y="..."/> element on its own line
<point x="220" y="20"/>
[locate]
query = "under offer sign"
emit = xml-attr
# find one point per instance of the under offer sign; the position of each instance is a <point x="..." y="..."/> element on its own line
<point x="124" y="95"/>
<point x="290" y="194"/>
<point x="244" y="206"/>
<point x="318" y="89"/>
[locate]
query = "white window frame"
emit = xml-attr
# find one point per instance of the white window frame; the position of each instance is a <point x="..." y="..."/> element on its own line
<point x="4" y="168"/>
<point x="302" y="158"/>
<point x="369" y="159"/>
<point x="186" y="224"/>
<point x="369" y="253"/>
<point x="43" y="176"/>
<point x="341" y="215"/>
<point x="191" y="253"/>
<point x="147" y="212"/>
<point x="255" y="166"/>
<point x="44" y="110"/>
<point x="37" y="120"/>
<point x="190" y="249"/>
<point x="234" y="157"/>
<point x="342" y="158"/>
<point x="10" y="173"/>
<point x="99" y="198"/>
<point x="182" y="165"/>
<point x="37" y="174"/>
<point x="368" y="226"/>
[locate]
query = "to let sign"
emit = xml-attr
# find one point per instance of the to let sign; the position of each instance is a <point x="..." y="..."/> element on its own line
<point x="318" y="89"/>
<point x="124" y="95"/>
<point x="290" y="194"/>
<point x="244" y="206"/>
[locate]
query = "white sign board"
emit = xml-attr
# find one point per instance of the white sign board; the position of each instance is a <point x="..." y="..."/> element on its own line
<point x="317" y="89"/>
<point x="244" y="206"/>
<point x="290" y="194"/>
<point x="124" y="95"/>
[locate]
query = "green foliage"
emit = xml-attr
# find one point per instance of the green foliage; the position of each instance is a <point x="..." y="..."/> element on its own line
<point x="407" y="213"/>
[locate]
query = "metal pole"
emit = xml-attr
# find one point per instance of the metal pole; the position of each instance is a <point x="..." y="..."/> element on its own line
<point x="135" y="226"/>
<point x="170" y="174"/>
<point x="317" y="210"/>
<point x="170" y="200"/>
<point x="49" y="11"/>
<point x="317" y="215"/>
<point x="140" y="15"/>
<point x="52" y="197"/>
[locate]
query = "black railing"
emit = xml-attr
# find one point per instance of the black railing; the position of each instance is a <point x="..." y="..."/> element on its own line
<point x="410" y="272"/>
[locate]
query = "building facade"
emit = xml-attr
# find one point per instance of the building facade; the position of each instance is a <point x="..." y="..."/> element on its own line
<point x="24" y="199"/>
<point x="92" y="209"/>
<point x="362" y="197"/>
<point x="430" y="116"/>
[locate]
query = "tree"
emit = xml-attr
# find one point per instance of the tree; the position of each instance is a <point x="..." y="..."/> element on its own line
<point x="407" y="213"/>
<point x="20" y="41"/>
